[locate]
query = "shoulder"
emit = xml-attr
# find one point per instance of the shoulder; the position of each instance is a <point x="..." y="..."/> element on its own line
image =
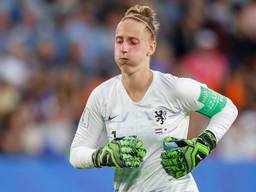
<point x="165" y="79"/>
<point x="186" y="87"/>
<point x="99" y="97"/>
<point x="178" y="86"/>
<point x="104" y="88"/>
<point x="173" y="81"/>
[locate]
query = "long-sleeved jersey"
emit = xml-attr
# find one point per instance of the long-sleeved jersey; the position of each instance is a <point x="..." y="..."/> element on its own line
<point x="163" y="111"/>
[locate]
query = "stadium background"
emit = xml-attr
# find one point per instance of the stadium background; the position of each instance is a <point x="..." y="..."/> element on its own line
<point x="54" y="52"/>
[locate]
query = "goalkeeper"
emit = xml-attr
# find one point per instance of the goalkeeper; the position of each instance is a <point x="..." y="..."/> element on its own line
<point x="137" y="122"/>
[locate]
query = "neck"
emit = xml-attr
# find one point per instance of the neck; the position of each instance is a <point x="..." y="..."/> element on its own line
<point x="137" y="83"/>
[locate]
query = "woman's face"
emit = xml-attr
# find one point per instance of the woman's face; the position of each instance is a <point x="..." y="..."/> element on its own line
<point x="133" y="46"/>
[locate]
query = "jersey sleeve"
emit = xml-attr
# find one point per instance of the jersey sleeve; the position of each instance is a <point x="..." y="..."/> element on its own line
<point x="194" y="96"/>
<point x="191" y="95"/>
<point x="186" y="93"/>
<point x="90" y="133"/>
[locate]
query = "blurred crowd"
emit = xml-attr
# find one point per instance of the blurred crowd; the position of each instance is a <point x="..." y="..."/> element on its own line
<point x="54" y="52"/>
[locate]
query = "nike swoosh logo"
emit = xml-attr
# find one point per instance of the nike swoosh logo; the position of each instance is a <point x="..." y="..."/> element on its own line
<point x="111" y="118"/>
<point x="120" y="119"/>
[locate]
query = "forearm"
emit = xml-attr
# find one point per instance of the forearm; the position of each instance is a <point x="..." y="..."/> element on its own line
<point x="81" y="157"/>
<point x="222" y="121"/>
<point x="84" y="144"/>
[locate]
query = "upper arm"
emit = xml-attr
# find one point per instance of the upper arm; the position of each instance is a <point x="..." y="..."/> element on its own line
<point x="91" y="125"/>
<point x="194" y="96"/>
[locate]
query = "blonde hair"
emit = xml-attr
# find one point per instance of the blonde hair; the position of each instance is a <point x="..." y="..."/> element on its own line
<point x="144" y="14"/>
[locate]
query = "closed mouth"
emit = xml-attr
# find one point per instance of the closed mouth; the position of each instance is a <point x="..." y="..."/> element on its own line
<point x="124" y="60"/>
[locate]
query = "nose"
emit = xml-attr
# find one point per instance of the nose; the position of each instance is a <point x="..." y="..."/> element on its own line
<point x="124" y="48"/>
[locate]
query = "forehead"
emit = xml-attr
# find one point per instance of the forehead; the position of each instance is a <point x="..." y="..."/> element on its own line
<point x="130" y="28"/>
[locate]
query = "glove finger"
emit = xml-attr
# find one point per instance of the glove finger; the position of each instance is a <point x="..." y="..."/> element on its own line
<point x="129" y="158"/>
<point x="125" y="142"/>
<point x="166" y="163"/>
<point x="165" y="155"/>
<point x="175" y="171"/>
<point x="174" y="164"/>
<point x="178" y="165"/>
<point x="136" y="143"/>
<point x="126" y="150"/>
<point x="167" y="169"/>
<point x="131" y="142"/>
<point x="133" y="164"/>
<point x="126" y="156"/>
<point x="180" y="174"/>
<point x="178" y="162"/>
<point x="131" y="161"/>
<point x="140" y="153"/>
<point x="170" y="154"/>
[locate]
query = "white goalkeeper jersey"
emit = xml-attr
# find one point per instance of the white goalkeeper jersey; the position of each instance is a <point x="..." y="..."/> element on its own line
<point x="163" y="111"/>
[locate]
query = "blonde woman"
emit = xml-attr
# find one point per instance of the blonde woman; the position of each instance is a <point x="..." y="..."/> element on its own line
<point x="137" y="122"/>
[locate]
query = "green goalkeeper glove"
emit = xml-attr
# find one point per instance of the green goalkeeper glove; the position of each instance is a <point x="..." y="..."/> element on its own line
<point x="181" y="156"/>
<point x="120" y="152"/>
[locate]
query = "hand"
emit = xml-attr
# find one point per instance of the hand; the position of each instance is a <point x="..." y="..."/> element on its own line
<point x="181" y="156"/>
<point x="120" y="152"/>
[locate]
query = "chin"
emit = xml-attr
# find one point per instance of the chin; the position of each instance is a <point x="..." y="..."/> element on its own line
<point x="128" y="70"/>
<point x="125" y="68"/>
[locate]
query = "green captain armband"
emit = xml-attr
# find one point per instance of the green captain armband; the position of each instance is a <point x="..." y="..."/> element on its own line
<point x="213" y="102"/>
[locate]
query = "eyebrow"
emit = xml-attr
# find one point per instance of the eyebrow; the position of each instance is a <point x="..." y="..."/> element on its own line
<point x="118" y="37"/>
<point x="129" y="37"/>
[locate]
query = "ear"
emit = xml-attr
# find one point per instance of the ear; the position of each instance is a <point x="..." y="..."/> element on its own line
<point x="152" y="48"/>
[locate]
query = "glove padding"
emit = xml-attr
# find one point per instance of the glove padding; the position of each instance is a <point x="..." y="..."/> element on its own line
<point x="121" y="152"/>
<point x="181" y="156"/>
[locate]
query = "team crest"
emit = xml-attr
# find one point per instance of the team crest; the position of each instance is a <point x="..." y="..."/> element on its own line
<point x="160" y="116"/>
<point x="165" y="119"/>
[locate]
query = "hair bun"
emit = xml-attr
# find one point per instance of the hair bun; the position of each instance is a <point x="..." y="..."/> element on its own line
<point x="147" y="13"/>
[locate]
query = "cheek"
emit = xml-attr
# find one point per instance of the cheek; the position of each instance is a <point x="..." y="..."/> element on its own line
<point x="116" y="47"/>
<point x="116" y="50"/>
<point x="140" y="52"/>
